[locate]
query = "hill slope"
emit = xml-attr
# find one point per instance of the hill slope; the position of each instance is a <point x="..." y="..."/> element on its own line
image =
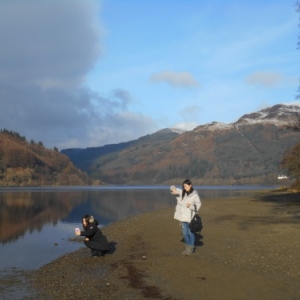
<point x="31" y="164"/>
<point x="248" y="151"/>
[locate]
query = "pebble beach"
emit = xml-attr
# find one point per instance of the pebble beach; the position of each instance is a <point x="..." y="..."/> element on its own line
<point x="248" y="249"/>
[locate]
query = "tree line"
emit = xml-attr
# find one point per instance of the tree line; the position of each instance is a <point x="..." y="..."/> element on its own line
<point x="24" y="163"/>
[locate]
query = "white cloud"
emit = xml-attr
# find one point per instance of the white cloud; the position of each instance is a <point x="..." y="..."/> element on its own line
<point x="186" y="126"/>
<point x="265" y="78"/>
<point x="190" y="113"/>
<point x="190" y="116"/>
<point x="48" y="42"/>
<point x="47" y="49"/>
<point x="120" y="127"/>
<point x="176" y="79"/>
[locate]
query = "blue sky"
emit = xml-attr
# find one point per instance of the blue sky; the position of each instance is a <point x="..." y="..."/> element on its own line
<point x="90" y="73"/>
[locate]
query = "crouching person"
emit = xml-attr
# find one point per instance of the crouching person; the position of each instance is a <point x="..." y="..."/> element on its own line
<point x="94" y="239"/>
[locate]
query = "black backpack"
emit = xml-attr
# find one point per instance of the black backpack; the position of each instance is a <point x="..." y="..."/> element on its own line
<point x="196" y="223"/>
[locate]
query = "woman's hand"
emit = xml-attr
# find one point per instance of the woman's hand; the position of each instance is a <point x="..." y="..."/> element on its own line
<point x="188" y="205"/>
<point x="174" y="191"/>
<point x="86" y="239"/>
<point x="77" y="231"/>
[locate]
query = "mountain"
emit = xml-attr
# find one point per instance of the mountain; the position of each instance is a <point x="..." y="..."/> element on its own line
<point x="85" y="159"/>
<point x="279" y="115"/>
<point x="24" y="163"/>
<point x="248" y="151"/>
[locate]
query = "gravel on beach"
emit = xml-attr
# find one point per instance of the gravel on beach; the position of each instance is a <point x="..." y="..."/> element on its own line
<point x="248" y="249"/>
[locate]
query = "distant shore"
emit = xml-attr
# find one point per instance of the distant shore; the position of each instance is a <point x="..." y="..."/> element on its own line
<point x="248" y="249"/>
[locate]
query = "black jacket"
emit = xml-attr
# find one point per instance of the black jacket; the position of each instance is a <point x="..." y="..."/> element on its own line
<point x="96" y="238"/>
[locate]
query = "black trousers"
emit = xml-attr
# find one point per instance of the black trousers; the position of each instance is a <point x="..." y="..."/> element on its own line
<point x="93" y="245"/>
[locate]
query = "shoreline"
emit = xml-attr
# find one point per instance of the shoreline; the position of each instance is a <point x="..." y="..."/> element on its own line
<point x="247" y="250"/>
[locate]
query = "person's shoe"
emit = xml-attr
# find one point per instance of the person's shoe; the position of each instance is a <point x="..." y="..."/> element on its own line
<point x="184" y="252"/>
<point x="97" y="253"/>
<point x="189" y="250"/>
<point x="94" y="252"/>
<point x="100" y="253"/>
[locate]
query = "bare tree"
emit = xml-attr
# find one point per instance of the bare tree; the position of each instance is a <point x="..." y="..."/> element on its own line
<point x="298" y="44"/>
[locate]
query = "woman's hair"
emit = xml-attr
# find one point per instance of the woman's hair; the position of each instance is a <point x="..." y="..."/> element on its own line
<point x="87" y="218"/>
<point x="188" y="182"/>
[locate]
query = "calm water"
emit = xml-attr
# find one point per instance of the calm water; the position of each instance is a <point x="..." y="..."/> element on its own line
<point x="36" y="223"/>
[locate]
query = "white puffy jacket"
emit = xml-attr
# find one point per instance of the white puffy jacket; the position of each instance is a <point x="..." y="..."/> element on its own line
<point x="183" y="213"/>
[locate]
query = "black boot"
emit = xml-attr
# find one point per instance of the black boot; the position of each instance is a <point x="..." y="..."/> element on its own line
<point x="97" y="253"/>
<point x="94" y="252"/>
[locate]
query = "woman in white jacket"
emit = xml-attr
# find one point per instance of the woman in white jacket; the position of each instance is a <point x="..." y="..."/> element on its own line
<point x="188" y="202"/>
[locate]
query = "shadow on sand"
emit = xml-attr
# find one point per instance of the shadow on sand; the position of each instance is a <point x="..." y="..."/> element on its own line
<point x="281" y="198"/>
<point x="198" y="239"/>
<point x="285" y="202"/>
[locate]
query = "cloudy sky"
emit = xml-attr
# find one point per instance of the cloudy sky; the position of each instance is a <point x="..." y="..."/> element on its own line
<point x="87" y="73"/>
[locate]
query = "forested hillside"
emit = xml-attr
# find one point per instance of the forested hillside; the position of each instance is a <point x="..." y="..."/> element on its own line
<point x="24" y="163"/>
<point x="210" y="155"/>
<point x="242" y="155"/>
<point x="91" y="159"/>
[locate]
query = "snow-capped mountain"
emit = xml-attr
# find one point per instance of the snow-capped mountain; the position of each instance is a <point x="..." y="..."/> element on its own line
<point x="245" y="152"/>
<point x="280" y="115"/>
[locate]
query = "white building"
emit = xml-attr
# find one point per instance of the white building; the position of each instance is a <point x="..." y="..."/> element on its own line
<point x="282" y="177"/>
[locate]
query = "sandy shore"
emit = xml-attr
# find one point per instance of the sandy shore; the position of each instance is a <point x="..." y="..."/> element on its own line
<point x="249" y="249"/>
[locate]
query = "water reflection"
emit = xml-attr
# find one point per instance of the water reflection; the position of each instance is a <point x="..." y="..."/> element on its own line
<point x="33" y="221"/>
<point x="30" y="211"/>
<point x="22" y="211"/>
